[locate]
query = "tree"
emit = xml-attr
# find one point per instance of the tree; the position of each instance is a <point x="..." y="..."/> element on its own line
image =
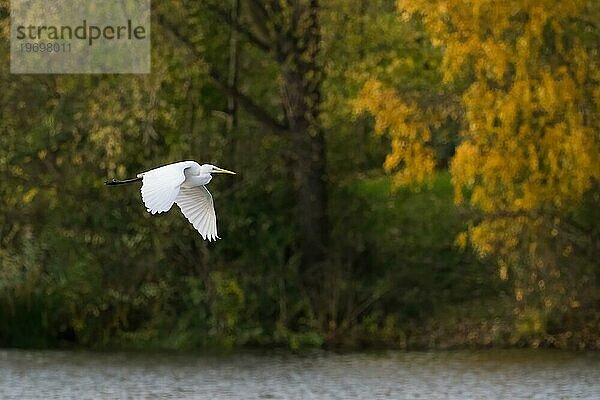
<point x="289" y="33"/>
<point x="529" y="154"/>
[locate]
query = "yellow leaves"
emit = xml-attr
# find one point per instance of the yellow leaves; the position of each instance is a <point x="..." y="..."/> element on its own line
<point x="419" y="165"/>
<point x="556" y="92"/>
<point x="497" y="235"/>
<point x="496" y="59"/>
<point x="530" y="141"/>
<point x="411" y="159"/>
<point x="503" y="270"/>
<point x="464" y="168"/>
<point x="537" y="19"/>
<point x="392" y="113"/>
<point x="524" y="146"/>
<point x="461" y="240"/>
<point x="519" y="294"/>
<point x="29" y="195"/>
<point x="109" y="137"/>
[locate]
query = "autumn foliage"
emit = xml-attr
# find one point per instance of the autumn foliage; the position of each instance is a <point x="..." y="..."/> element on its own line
<point x="481" y="229"/>
<point x="527" y="74"/>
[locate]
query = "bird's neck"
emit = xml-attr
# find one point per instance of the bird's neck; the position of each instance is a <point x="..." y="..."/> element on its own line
<point x="197" y="180"/>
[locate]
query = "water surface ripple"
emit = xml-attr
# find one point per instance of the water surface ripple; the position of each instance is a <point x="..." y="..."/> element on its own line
<point x="461" y="375"/>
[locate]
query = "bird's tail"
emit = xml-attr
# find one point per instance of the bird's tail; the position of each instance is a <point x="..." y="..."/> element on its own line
<point x="113" y="181"/>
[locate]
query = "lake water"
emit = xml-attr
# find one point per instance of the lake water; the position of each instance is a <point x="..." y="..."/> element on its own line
<point x="389" y="375"/>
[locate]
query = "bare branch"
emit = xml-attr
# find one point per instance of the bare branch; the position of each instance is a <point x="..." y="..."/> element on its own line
<point x="243" y="29"/>
<point x="245" y="101"/>
<point x="259" y="15"/>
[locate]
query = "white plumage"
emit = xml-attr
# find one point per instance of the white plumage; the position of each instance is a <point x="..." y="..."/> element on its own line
<point x="161" y="186"/>
<point x="183" y="183"/>
<point x="196" y="203"/>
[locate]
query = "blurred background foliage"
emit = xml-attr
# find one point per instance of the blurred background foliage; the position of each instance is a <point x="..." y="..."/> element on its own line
<point x="460" y="141"/>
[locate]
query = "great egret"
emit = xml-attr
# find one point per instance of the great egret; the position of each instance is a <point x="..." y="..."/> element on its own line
<point x="183" y="183"/>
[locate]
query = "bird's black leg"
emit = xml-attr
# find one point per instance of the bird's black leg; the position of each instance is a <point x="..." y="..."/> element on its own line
<point x="113" y="182"/>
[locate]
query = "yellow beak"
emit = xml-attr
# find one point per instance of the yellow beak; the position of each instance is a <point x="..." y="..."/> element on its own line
<point x="224" y="171"/>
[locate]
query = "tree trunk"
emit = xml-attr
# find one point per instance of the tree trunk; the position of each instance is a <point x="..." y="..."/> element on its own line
<point x="232" y="78"/>
<point x="301" y="74"/>
<point x="289" y="30"/>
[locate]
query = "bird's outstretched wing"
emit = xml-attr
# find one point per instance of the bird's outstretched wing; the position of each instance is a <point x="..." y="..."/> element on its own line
<point x="160" y="186"/>
<point x="196" y="204"/>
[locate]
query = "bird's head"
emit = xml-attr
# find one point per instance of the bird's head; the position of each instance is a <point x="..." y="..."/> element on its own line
<point x="212" y="169"/>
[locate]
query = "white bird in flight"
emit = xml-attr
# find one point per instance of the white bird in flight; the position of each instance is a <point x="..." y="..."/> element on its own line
<point x="183" y="183"/>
